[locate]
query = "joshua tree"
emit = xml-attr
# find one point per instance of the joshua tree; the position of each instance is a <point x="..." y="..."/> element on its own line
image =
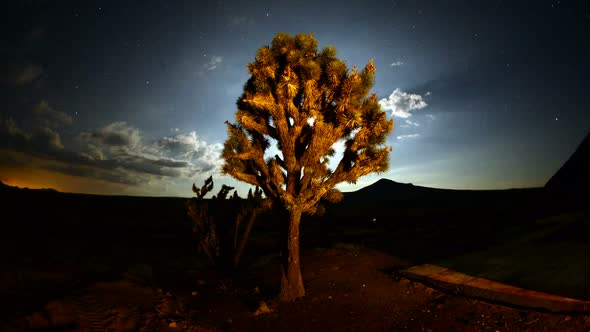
<point x="306" y="100"/>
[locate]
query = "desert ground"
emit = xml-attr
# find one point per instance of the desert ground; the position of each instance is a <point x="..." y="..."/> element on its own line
<point x="97" y="263"/>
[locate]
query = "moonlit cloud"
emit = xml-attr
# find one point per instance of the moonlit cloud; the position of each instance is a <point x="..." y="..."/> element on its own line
<point x="117" y="135"/>
<point x="115" y="153"/>
<point x="401" y="104"/>
<point x="19" y="74"/>
<point x="213" y="63"/>
<point x="176" y="156"/>
<point x="190" y="148"/>
<point x="402" y="137"/>
<point x="38" y="130"/>
<point x="28" y="74"/>
<point x="238" y="20"/>
<point x="47" y="116"/>
<point x="409" y="124"/>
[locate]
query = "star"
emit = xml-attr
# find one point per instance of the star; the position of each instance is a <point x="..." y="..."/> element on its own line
<point x="556" y="119"/>
<point x="267" y="14"/>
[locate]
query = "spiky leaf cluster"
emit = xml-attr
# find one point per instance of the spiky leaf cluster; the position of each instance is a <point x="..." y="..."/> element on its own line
<point x="306" y="100"/>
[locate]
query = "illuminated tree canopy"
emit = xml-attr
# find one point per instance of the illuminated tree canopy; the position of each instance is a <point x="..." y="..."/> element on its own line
<point x="306" y="100"/>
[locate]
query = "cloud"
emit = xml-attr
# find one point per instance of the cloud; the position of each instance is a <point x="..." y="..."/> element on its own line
<point x="401" y="137"/>
<point x="401" y="104"/>
<point x="28" y="74"/>
<point x="49" y="138"/>
<point x="46" y="116"/>
<point x="396" y="64"/>
<point x="237" y="20"/>
<point x="409" y="124"/>
<point x="115" y="153"/>
<point x="121" y="146"/>
<point x="189" y="147"/>
<point x="213" y="63"/>
<point x="117" y="135"/>
<point x="38" y="134"/>
<point x="9" y="128"/>
<point x="19" y="73"/>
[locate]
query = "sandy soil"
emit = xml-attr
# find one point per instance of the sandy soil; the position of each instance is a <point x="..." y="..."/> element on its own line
<point x="350" y="289"/>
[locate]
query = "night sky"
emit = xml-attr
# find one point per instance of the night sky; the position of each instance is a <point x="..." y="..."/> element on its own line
<point x="130" y="97"/>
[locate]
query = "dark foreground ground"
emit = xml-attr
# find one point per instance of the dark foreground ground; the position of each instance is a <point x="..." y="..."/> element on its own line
<point x="93" y="263"/>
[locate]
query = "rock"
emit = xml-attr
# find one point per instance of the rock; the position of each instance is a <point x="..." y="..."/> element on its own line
<point x="168" y="307"/>
<point x="263" y="309"/>
<point x="61" y="313"/>
<point x="173" y="325"/>
<point x="428" y="290"/>
<point x="141" y="273"/>
<point x="125" y="319"/>
<point x="195" y="293"/>
<point x="38" y="321"/>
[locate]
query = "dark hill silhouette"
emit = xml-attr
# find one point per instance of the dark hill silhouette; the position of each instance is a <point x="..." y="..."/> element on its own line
<point x="385" y="190"/>
<point x="574" y="175"/>
<point x="399" y="202"/>
<point x="9" y="188"/>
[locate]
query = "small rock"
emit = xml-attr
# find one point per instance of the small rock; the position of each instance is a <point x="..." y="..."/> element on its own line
<point x="38" y="321"/>
<point x="263" y="309"/>
<point x="61" y="313"/>
<point x="201" y="282"/>
<point x="567" y="318"/>
<point x="173" y="325"/>
<point x="129" y="323"/>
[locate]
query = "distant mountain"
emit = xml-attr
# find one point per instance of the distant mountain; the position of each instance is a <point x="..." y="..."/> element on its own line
<point x="4" y="187"/>
<point x="386" y="190"/>
<point x="574" y="175"/>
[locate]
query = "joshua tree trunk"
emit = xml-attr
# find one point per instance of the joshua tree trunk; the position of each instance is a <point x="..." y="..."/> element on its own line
<point x="291" y="280"/>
